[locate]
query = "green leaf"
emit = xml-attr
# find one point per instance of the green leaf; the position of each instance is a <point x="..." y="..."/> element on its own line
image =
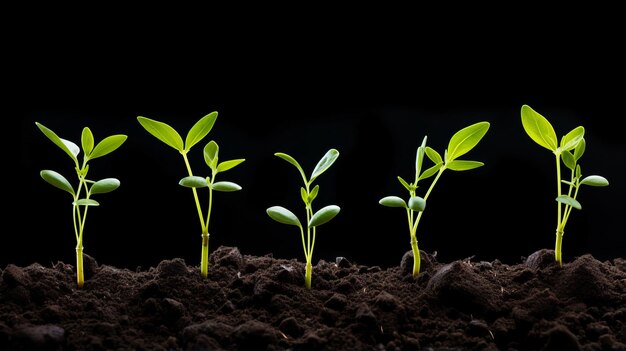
<point x="538" y="128"/>
<point x="568" y="159"/>
<point x="392" y="201"/>
<point x="226" y="165"/>
<point x="86" y="202"/>
<point x="294" y="163"/>
<point x="329" y="158"/>
<point x="226" y="186"/>
<point x="570" y="201"/>
<point x="580" y="149"/>
<point x="163" y="132"/>
<point x="578" y="171"/>
<point x="466" y="139"/>
<point x="194" y="182"/>
<point x="595" y="180"/>
<point x="571" y="139"/>
<point x="404" y="183"/>
<point x="200" y="130"/>
<point x="464" y="165"/>
<point x="431" y="171"/>
<point x="303" y="195"/>
<point x="104" y="186"/>
<point x="324" y="215"/>
<point x="433" y="155"/>
<point x="107" y="146"/>
<point x="419" y="158"/>
<point x="57" y="180"/>
<point x="417" y="203"/>
<point x="87" y="141"/>
<point x="283" y="215"/>
<point x="211" y="152"/>
<point x="65" y="145"/>
<point x="313" y="193"/>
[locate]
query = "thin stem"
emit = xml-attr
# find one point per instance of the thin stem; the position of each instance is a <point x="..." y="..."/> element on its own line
<point x="306" y="253"/>
<point x="195" y="192"/>
<point x="204" y="259"/>
<point x="559" y="228"/>
<point x="558" y="186"/>
<point x="430" y="189"/>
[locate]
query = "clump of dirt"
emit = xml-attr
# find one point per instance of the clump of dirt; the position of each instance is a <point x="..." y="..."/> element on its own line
<point x="260" y="303"/>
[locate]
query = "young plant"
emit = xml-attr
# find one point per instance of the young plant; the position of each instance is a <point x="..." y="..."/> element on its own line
<point x="541" y="131"/>
<point x="313" y="219"/>
<point x="200" y="129"/>
<point x="81" y="195"/>
<point x="461" y="142"/>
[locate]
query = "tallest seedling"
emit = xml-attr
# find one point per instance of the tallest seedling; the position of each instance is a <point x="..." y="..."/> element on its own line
<point x="169" y="136"/>
<point x="569" y="151"/>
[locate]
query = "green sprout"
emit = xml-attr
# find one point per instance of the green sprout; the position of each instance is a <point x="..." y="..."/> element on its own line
<point x="200" y="129"/>
<point x="81" y="196"/>
<point x="541" y="131"/>
<point x="313" y="220"/>
<point x="461" y="142"/>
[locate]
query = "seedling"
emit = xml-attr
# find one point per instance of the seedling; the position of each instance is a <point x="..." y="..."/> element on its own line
<point x="81" y="196"/>
<point x="461" y="142"/>
<point x="169" y="136"/>
<point x="313" y="220"/>
<point x="541" y="131"/>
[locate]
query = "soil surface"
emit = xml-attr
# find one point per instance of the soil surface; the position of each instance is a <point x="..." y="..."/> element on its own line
<point x="260" y="303"/>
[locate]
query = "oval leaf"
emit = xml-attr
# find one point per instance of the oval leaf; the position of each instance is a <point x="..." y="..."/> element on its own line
<point x="58" y="141"/>
<point x="419" y="158"/>
<point x="163" y="132"/>
<point x="194" y="182"/>
<point x="314" y="193"/>
<point x="293" y="162"/>
<point x="107" y="145"/>
<point x="226" y="165"/>
<point x="324" y="215"/>
<point x="86" y="202"/>
<point x="304" y="196"/>
<point x="538" y="128"/>
<point x="404" y="183"/>
<point x="329" y="158"/>
<point x="463" y="165"/>
<point x="431" y="171"/>
<point x="564" y="199"/>
<point x="568" y="159"/>
<point x="595" y="180"/>
<point x="283" y="215"/>
<point x="392" y="201"/>
<point x="87" y="141"/>
<point x="433" y="155"/>
<point x="211" y="153"/>
<point x="571" y="139"/>
<point x="57" y="180"/>
<point x="200" y="130"/>
<point x="104" y="186"/>
<point x="466" y="139"/>
<point x="417" y="203"/>
<point x="226" y="186"/>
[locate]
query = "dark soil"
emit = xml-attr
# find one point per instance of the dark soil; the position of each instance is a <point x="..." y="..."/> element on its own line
<point x="259" y="303"/>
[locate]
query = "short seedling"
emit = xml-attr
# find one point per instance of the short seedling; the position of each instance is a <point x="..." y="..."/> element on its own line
<point x="461" y="142"/>
<point x="541" y="131"/>
<point x="313" y="220"/>
<point x="81" y="196"/>
<point x="169" y="136"/>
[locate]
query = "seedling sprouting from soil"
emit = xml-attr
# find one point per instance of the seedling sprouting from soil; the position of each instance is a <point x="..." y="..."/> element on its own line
<point x="313" y="219"/>
<point x="541" y="131"/>
<point x="200" y="129"/>
<point x="86" y="188"/>
<point x="461" y="142"/>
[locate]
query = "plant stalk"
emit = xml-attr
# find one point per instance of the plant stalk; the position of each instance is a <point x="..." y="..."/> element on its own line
<point x="307" y="274"/>
<point x="557" y="247"/>
<point x="204" y="260"/>
<point x="80" y="277"/>
<point x="416" y="256"/>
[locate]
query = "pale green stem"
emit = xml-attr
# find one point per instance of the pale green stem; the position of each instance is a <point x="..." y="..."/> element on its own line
<point x="195" y="193"/>
<point x="430" y="189"/>
<point x="559" y="230"/>
<point x="204" y="260"/>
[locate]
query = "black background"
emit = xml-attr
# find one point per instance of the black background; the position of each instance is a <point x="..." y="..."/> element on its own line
<point x="371" y="94"/>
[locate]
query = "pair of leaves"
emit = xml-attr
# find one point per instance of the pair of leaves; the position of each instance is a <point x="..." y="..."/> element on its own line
<point x="100" y="187"/>
<point x="416" y="203"/>
<point x="324" y="163"/>
<point x="199" y="182"/>
<point x="284" y="216"/>
<point x="541" y="131"/>
<point x="170" y="136"/>
<point x="90" y="149"/>
<point x="211" y="157"/>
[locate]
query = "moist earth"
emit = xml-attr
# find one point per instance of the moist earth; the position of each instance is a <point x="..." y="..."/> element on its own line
<point x="260" y="303"/>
